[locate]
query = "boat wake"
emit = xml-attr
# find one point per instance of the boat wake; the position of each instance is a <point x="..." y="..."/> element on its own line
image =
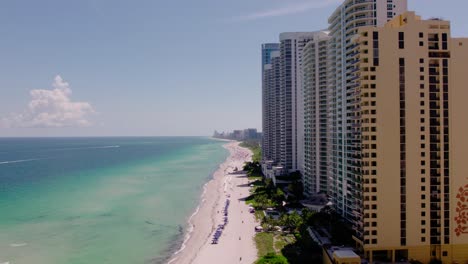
<point x="18" y="245"/>
<point x="17" y="161"/>
<point x="95" y="147"/>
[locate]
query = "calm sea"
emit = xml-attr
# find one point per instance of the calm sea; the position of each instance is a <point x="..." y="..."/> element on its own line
<point x="99" y="200"/>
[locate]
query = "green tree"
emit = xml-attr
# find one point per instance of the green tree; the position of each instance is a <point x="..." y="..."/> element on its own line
<point x="278" y="196"/>
<point x="262" y="201"/>
<point x="296" y="188"/>
<point x="272" y="258"/>
<point x="294" y="221"/>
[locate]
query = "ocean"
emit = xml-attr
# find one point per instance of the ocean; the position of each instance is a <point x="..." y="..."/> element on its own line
<point x="100" y="200"/>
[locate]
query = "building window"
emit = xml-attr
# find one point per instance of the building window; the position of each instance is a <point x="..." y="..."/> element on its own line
<point x="421" y="35"/>
<point x="401" y="40"/>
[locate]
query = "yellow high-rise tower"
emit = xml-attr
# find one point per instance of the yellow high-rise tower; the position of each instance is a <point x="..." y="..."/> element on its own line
<point x="408" y="103"/>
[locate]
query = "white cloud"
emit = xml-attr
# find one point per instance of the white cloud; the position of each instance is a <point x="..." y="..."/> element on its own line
<point x="293" y="7"/>
<point x="51" y="108"/>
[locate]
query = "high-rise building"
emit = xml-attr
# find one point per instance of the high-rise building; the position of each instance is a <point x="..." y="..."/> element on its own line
<point x="292" y="99"/>
<point x="314" y="67"/>
<point x="407" y="92"/>
<point x="271" y="108"/>
<point x="343" y="143"/>
<point x="267" y="49"/>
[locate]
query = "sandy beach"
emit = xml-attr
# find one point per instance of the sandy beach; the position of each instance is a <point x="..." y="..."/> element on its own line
<point x="236" y="243"/>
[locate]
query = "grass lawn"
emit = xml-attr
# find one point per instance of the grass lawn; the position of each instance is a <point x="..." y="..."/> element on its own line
<point x="281" y="241"/>
<point x="272" y="243"/>
<point x="264" y="243"/>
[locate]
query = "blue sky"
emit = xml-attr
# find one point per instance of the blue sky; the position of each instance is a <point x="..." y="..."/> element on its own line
<point x="150" y="68"/>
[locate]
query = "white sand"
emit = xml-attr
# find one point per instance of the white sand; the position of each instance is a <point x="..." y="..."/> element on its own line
<point x="236" y="244"/>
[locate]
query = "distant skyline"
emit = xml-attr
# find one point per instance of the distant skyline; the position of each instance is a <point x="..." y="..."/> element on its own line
<point x="149" y="68"/>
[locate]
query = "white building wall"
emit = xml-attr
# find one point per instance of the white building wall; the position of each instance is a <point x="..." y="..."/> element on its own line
<point x="343" y="25"/>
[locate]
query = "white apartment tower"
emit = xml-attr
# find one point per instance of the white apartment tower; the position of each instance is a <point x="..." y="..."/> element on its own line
<point x="292" y="99"/>
<point x="271" y="109"/>
<point x="314" y="65"/>
<point x="343" y="143"/>
<point x="271" y="102"/>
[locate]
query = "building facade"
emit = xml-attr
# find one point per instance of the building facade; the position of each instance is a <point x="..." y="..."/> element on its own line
<point x="314" y="65"/>
<point x="292" y="99"/>
<point x="267" y="49"/>
<point x="343" y="142"/>
<point x="410" y="181"/>
<point x="270" y="102"/>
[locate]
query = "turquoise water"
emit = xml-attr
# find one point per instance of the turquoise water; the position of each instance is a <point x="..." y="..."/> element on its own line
<point x="99" y="200"/>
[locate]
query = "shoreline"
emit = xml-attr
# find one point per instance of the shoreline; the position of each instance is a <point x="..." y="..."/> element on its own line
<point x="196" y="244"/>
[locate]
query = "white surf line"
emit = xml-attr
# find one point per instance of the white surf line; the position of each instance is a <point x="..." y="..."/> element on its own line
<point x="191" y="226"/>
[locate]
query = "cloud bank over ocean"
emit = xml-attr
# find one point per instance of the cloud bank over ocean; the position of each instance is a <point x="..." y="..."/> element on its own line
<point x="51" y="108"/>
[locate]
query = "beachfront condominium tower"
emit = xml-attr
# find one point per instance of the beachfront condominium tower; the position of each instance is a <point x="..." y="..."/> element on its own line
<point x="267" y="49"/>
<point x="270" y="102"/>
<point x="271" y="114"/>
<point x="407" y="92"/>
<point x="343" y="143"/>
<point x="314" y="68"/>
<point x="292" y="99"/>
